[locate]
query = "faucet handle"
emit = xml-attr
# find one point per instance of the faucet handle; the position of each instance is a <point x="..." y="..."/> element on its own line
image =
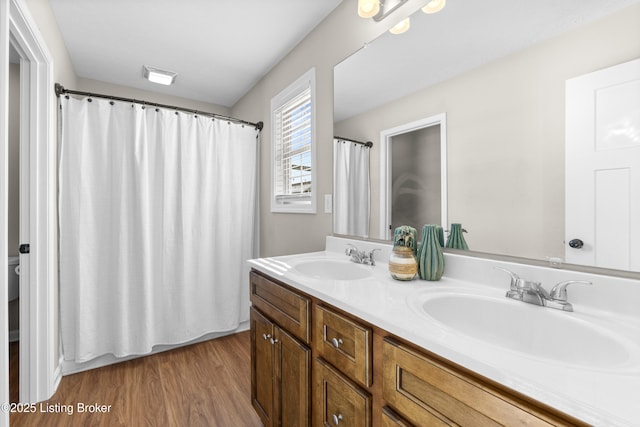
<point x="515" y="279"/>
<point x="559" y="291"/>
<point x="371" y="260"/>
<point x="350" y="249"/>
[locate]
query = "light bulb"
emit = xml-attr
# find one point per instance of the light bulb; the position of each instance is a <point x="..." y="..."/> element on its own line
<point x="434" y="6"/>
<point x="368" y="8"/>
<point x="401" y="26"/>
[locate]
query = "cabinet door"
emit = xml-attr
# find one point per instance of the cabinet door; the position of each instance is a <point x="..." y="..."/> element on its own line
<point x="338" y="402"/>
<point x="262" y="372"/>
<point x="293" y="371"/>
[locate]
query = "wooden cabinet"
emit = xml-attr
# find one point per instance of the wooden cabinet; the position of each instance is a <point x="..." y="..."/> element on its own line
<point x="338" y="402"/>
<point x="280" y="363"/>
<point x="285" y="307"/>
<point x="344" y="350"/>
<point x="391" y="419"/>
<point x="362" y="375"/>
<point x="429" y="392"/>
<point x="262" y="367"/>
<point x="344" y="343"/>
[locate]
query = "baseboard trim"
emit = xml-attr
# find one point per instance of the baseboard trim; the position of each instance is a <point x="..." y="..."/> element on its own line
<point x="57" y="375"/>
<point x="68" y="367"/>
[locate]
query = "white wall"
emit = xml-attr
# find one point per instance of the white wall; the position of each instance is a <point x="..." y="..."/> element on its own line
<point x="505" y="134"/>
<point x="337" y="37"/>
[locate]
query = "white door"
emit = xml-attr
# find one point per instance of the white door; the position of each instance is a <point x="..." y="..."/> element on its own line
<point x="602" y="196"/>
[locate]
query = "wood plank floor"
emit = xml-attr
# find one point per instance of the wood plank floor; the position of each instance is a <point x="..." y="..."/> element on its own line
<point x="205" y="384"/>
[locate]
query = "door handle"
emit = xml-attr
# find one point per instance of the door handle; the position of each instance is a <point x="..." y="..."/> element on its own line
<point x="576" y="243"/>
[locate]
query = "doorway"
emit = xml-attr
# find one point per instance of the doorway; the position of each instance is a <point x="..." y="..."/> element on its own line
<point x="39" y="372"/>
<point x="13" y="229"/>
<point x="413" y="175"/>
<point x="602" y="163"/>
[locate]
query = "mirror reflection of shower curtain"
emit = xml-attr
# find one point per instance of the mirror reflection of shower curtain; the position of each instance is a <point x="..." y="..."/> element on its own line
<point x="351" y="188"/>
<point x="157" y="213"/>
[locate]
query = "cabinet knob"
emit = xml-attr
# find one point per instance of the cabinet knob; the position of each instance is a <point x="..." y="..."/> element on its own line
<point x="336" y="342"/>
<point x="336" y="418"/>
<point x="266" y="336"/>
<point x="274" y="340"/>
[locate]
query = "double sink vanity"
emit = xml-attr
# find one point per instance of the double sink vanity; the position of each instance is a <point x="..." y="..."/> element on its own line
<point x="343" y="344"/>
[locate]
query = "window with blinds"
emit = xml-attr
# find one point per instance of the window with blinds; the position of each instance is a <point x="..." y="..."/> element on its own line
<point x="293" y="148"/>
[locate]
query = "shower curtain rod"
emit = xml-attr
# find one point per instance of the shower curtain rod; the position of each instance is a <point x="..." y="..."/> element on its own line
<point x="366" y="144"/>
<point x="60" y="90"/>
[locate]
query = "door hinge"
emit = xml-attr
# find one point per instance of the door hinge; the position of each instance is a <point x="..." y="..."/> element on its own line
<point x="24" y="248"/>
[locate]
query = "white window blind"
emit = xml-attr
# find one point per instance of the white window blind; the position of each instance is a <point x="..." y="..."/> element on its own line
<point x="292" y="185"/>
<point x="293" y="147"/>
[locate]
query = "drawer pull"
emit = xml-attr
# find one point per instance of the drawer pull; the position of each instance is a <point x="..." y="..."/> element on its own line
<point x="336" y="343"/>
<point x="266" y="336"/>
<point x="274" y="340"/>
<point x="336" y="418"/>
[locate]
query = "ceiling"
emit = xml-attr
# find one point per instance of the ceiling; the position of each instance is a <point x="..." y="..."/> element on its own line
<point x="463" y="36"/>
<point x="219" y="48"/>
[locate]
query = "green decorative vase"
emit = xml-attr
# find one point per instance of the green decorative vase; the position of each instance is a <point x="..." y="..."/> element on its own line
<point x="430" y="257"/>
<point x="456" y="238"/>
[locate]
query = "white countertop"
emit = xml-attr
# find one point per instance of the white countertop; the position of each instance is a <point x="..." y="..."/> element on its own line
<point x="600" y="397"/>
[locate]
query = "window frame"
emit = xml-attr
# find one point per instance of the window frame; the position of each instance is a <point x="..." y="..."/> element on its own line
<point x="306" y="203"/>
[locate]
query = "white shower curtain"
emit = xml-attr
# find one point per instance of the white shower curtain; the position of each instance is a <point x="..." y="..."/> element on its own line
<point x="351" y="188"/>
<point x="157" y="215"/>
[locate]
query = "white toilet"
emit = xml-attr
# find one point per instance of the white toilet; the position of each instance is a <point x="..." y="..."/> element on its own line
<point x="14" y="280"/>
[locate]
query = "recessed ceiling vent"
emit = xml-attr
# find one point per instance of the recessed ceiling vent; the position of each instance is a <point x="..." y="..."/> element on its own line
<point x="159" y="76"/>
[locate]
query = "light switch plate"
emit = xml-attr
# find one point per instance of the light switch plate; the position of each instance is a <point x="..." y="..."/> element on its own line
<point x="328" y="202"/>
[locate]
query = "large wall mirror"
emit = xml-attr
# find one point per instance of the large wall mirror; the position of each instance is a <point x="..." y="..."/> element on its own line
<point x="498" y="71"/>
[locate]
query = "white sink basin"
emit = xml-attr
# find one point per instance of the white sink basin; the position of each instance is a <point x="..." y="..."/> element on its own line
<point x="533" y="331"/>
<point x="333" y="269"/>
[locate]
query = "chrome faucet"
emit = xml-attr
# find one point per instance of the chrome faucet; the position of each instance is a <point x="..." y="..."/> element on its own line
<point x="360" y="257"/>
<point x="533" y="292"/>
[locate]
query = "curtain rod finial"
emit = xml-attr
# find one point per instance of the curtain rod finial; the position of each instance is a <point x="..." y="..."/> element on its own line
<point x="59" y="89"/>
<point x="259" y="125"/>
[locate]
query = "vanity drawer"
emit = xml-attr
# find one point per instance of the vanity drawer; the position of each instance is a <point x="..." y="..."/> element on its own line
<point x="423" y="390"/>
<point x="285" y="307"/>
<point x="344" y="343"/>
<point x="338" y="401"/>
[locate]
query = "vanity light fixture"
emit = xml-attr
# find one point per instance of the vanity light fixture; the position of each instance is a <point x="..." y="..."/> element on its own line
<point x="378" y="9"/>
<point x="401" y="27"/>
<point x="157" y="75"/>
<point x="434" y="6"/>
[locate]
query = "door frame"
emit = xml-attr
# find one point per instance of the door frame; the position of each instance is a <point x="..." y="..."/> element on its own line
<point x="385" y="168"/>
<point x="39" y="361"/>
<point x="4" y="202"/>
